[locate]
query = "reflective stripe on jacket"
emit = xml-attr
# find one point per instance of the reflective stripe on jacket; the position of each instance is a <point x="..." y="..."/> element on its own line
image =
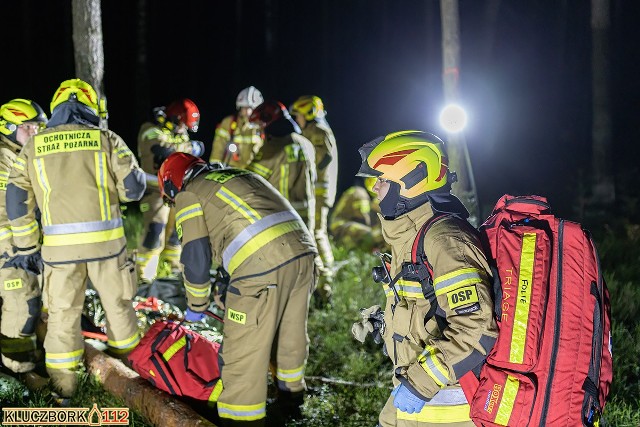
<point x="321" y="136"/>
<point x="238" y="220"/>
<point x="77" y="176"/>
<point x="8" y="154"/>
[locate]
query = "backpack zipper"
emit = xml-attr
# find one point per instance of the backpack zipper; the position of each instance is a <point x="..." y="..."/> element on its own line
<point x="556" y="333"/>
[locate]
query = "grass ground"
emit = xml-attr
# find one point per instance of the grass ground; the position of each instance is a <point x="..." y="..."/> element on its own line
<point x="349" y="382"/>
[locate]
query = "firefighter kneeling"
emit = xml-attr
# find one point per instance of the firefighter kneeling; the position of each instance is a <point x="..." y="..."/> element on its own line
<point x="238" y="220"/>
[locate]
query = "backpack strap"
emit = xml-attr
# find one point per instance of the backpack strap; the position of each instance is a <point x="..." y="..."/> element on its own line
<point x="421" y="270"/>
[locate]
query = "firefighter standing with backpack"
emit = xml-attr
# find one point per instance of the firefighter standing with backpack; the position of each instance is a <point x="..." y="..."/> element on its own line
<point x="74" y="160"/>
<point x="310" y="114"/>
<point x="167" y="133"/>
<point x="19" y="287"/>
<point x="438" y="325"/>
<point x="237" y="219"/>
<point x="237" y="139"/>
<point x="287" y="159"/>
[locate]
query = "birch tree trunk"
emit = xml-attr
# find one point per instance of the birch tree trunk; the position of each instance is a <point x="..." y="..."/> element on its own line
<point x="603" y="184"/>
<point x="87" y="42"/>
<point x="459" y="161"/>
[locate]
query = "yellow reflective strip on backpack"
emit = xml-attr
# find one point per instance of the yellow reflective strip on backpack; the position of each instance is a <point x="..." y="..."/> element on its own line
<point x="508" y="400"/>
<point x="83" y="238"/>
<point x="215" y="394"/>
<point x="43" y="180"/>
<point x="174" y="348"/>
<point x="260" y="240"/>
<point x="101" y="184"/>
<point x="523" y="300"/>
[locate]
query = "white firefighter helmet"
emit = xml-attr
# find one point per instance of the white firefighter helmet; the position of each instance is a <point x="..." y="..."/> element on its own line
<point x="249" y="97"/>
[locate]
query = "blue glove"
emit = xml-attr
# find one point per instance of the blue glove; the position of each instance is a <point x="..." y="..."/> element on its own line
<point x="193" y="316"/>
<point x="197" y="148"/>
<point x="406" y="401"/>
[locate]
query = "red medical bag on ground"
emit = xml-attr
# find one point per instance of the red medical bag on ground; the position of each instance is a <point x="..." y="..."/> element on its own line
<point x="178" y="361"/>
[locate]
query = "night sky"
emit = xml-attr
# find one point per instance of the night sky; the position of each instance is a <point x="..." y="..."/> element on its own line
<point x="377" y="66"/>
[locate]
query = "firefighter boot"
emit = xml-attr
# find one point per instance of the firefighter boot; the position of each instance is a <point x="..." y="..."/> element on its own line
<point x="289" y="404"/>
<point x="64" y="381"/>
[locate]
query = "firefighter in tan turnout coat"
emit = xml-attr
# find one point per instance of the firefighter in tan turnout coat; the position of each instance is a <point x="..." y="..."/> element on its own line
<point x="167" y="134"/>
<point x="286" y="159"/>
<point x="433" y="339"/>
<point x="237" y="140"/>
<point x="19" y="288"/>
<point x="354" y="220"/>
<point x="310" y="114"/>
<point x="238" y="220"/>
<point x="76" y="174"/>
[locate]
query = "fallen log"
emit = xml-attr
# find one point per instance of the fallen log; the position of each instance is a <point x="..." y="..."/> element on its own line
<point x="159" y="408"/>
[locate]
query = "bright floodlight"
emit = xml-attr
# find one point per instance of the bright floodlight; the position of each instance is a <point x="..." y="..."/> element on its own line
<point x="453" y="118"/>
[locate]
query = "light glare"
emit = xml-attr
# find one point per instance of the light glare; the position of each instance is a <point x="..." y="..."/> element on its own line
<point x="453" y="118"/>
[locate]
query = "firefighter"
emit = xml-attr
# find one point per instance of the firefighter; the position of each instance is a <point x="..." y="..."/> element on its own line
<point x="19" y="288"/>
<point x="167" y="133"/>
<point x="237" y="140"/>
<point x="354" y="220"/>
<point x="75" y="174"/>
<point x="237" y="219"/>
<point x="310" y="114"/>
<point x="432" y="339"/>
<point x="286" y="159"/>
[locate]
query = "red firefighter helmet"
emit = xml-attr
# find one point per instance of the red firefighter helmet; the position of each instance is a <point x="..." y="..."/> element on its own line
<point x="172" y="173"/>
<point x="269" y="112"/>
<point x="183" y="111"/>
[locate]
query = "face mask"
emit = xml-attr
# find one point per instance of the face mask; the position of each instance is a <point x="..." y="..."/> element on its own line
<point x="389" y="206"/>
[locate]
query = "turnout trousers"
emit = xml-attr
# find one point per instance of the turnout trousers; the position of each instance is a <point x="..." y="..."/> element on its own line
<point x="21" y="305"/>
<point x="114" y="279"/>
<point x="324" y="249"/>
<point x="265" y="324"/>
<point x="159" y="239"/>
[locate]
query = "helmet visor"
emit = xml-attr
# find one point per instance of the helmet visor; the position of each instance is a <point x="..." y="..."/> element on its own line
<point x="366" y="170"/>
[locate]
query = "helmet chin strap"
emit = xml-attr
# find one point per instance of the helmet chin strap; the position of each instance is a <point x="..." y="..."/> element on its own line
<point x="393" y="205"/>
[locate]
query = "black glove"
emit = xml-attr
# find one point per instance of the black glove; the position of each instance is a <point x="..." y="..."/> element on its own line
<point x="220" y="283"/>
<point x="31" y="263"/>
<point x="372" y="323"/>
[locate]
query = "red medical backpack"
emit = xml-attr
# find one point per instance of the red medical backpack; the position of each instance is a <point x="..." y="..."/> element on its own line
<point x="178" y="361"/>
<point x="551" y="364"/>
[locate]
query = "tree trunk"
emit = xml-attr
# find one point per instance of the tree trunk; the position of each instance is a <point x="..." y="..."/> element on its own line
<point x="603" y="184"/>
<point x="87" y="42"/>
<point x="142" y="76"/>
<point x="459" y="161"/>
